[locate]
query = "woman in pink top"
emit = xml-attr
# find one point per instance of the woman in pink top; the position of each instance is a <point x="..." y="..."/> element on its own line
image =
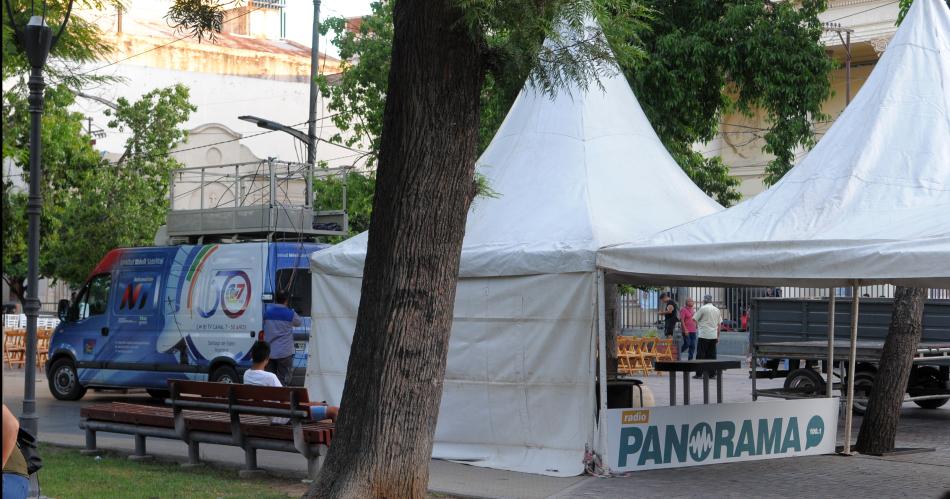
<point x="689" y="328"/>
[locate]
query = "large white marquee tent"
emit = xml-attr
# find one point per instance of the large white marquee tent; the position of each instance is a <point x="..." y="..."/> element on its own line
<point x="869" y="203"/>
<point x="573" y="172"/>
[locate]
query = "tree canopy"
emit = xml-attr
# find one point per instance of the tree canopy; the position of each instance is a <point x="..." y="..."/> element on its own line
<point x="90" y="205"/>
<point x="689" y="63"/>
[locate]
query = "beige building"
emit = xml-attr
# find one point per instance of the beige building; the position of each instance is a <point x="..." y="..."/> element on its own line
<point x="740" y="143"/>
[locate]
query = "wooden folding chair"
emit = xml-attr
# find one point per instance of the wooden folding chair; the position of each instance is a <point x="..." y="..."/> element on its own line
<point x="14" y="348"/>
<point x="42" y="346"/>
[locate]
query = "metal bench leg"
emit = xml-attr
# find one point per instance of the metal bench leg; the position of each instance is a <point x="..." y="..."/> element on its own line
<point x="140" y="454"/>
<point x="194" y="458"/>
<point x="90" y="443"/>
<point x="250" y="464"/>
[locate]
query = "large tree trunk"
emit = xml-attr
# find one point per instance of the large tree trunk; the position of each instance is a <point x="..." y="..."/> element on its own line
<point x="425" y="184"/>
<point x="879" y="427"/>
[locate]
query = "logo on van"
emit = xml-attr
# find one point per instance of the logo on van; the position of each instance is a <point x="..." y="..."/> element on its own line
<point x="231" y="289"/>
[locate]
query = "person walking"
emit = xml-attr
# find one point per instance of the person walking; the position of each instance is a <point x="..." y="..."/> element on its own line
<point x="668" y="311"/>
<point x="709" y="322"/>
<point x="689" y="329"/>
<point x="279" y="323"/>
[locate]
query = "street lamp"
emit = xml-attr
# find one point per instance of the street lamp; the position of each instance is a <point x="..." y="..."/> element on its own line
<point x="36" y="40"/>
<point x="280" y="127"/>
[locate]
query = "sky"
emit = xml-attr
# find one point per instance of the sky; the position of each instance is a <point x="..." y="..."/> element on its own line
<point x="300" y="18"/>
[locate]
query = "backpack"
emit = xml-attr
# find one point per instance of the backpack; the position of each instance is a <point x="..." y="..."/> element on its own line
<point x="27" y="444"/>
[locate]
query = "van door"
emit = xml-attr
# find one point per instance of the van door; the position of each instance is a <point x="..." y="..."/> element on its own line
<point x="130" y="357"/>
<point x="92" y="325"/>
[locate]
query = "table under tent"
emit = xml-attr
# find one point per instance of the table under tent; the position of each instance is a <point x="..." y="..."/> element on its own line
<point x="573" y="172"/>
<point x="867" y="205"/>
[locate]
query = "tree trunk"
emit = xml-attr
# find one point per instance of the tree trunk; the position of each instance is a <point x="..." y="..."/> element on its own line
<point x="424" y="186"/>
<point x="17" y="287"/>
<point x="879" y="427"/>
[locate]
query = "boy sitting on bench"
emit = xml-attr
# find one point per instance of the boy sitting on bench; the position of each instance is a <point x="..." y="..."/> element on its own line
<point x="258" y="375"/>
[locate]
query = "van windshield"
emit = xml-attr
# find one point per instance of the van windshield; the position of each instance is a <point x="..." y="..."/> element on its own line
<point x="297" y="283"/>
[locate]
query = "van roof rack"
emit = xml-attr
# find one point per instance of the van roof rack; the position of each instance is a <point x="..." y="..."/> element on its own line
<point x="260" y="200"/>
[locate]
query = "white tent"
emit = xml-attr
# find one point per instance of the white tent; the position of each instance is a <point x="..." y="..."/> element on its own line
<point x="869" y="203"/>
<point x="574" y="172"/>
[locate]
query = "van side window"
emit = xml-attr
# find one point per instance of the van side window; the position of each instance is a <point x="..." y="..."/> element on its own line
<point x="297" y="283"/>
<point x="94" y="298"/>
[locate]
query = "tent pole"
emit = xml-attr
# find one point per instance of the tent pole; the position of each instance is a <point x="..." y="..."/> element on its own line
<point x="602" y="367"/>
<point x="855" y="299"/>
<point x="831" y="343"/>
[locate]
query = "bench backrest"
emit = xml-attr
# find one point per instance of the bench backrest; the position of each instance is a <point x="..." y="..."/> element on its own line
<point x="223" y="397"/>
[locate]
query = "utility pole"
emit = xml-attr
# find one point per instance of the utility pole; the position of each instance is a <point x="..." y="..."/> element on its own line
<point x="844" y="34"/>
<point x="314" y="72"/>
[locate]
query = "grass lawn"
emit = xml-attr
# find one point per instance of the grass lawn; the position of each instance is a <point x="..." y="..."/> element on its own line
<point x="66" y="474"/>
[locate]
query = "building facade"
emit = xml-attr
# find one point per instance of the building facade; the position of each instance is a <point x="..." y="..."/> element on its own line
<point x="740" y="141"/>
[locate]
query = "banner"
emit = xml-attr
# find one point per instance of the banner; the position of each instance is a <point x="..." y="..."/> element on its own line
<point x="673" y="437"/>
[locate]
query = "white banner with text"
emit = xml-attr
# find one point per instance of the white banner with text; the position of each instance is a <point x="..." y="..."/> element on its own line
<point x="672" y="437"/>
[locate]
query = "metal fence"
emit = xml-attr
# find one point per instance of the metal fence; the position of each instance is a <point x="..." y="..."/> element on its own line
<point x="639" y="308"/>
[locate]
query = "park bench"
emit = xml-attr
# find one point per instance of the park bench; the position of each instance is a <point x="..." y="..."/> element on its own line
<point x="218" y="413"/>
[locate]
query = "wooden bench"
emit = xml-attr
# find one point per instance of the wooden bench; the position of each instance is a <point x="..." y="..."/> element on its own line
<point x="217" y="413"/>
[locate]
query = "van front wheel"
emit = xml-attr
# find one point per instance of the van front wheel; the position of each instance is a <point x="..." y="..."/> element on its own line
<point x="64" y="381"/>
<point x="224" y="374"/>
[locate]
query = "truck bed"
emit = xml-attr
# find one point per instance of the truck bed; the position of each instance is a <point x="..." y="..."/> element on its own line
<point x="930" y="353"/>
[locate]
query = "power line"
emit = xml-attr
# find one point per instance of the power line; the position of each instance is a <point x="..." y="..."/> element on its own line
<point x="863" y="11"/>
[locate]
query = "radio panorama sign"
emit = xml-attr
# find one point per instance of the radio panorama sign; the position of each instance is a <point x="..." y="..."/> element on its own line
<point x="671" y="437"/>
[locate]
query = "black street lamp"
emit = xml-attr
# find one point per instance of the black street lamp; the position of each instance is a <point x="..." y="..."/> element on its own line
<point x="37" y="40"/>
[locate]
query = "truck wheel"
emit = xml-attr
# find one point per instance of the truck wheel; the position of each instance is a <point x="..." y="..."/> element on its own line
<point x="224" y="374"/>
<point x="64" y="381"/>
<point x="926" y="381"/>
<point x="863" y="382"/>
<point x="806" y="381"/>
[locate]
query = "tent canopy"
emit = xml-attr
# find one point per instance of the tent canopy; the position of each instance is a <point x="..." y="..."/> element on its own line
<point x="573" y="172"/>
<point x="868" y="204"/>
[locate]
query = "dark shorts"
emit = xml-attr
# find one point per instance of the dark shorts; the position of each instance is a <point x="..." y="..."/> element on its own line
<point x="283" y="369"/>
<point x="670" y="328"/>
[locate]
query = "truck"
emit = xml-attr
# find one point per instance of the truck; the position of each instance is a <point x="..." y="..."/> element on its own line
<point x="789" y="339"/>
<point x="147" y="315"/>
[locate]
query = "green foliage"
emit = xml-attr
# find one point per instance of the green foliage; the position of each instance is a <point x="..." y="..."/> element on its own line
<point x="699" y="61"/>
<point x="67" y="155"/>
<point x="81" y="43"/>
<point x="328" y="195"/>
<point x="709" y="58"/>
<point x="905" y="6"/>
<point x="90" y="206"/>
<point x="122" y="205"/>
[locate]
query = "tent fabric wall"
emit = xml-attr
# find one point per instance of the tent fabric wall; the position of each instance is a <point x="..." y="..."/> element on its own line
<point x="869" y="203"/>
<point x="519" y="386"/>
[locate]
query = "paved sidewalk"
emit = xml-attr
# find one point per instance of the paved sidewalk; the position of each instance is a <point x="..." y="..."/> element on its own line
<point x="923" y="475"/>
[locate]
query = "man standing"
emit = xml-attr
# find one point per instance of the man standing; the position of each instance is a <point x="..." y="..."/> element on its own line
<point x="279" y="323"/>
<point x="668" y="311"/>
<point x="689" y="328"/>
<point x="709" y="321"/>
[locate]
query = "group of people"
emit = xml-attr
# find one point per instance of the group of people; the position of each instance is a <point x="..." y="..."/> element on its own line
<point x="700" y="327"/>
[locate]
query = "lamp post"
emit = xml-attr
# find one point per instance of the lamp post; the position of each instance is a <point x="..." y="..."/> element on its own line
<point x="37" y="40"/>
